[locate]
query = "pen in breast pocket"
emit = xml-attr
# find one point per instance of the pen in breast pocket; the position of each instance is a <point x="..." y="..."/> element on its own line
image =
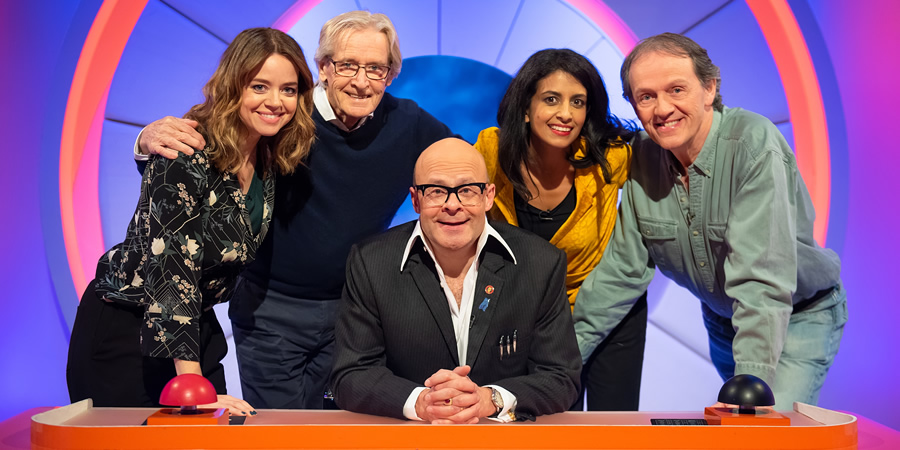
<point x="501" y="348"/>
<point x="514" y="340"/>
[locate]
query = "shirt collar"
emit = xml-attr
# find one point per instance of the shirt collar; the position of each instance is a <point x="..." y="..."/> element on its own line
<point x="488" y="231"/>
<point x="704" y="161"/>
<point x="320" y="99"/>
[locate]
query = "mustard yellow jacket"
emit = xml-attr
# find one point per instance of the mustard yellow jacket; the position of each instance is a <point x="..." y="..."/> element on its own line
<point x="587" y="231"/>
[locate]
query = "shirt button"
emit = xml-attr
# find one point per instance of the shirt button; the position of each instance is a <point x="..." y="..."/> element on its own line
<point x="702" y="264"/>
<point x="682" y="199"/>
<point x="696" y="233"/>
<point x="647" y="232"/>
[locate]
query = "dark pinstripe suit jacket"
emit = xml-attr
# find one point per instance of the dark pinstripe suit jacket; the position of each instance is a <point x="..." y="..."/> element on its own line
<point x="394" y="328"/>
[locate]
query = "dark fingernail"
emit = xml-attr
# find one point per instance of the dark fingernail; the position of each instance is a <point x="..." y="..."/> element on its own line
<point x="252" y="413"/>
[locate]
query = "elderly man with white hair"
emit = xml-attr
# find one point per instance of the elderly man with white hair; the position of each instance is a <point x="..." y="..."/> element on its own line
<point x="353" y="182"/>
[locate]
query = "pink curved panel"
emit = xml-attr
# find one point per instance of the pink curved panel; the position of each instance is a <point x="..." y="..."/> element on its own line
<point x="82" y="125"/>
<point x="608" y="21"/>
<point x="293" y="14"/>
<point x="804" y="98"/>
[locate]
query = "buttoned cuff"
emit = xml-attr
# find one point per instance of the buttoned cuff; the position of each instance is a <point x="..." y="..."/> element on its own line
<point x="409" y="408"/>
<point x="507" y="414"/>
<point x="763" y="371"/>
<point x="138" y="156"/>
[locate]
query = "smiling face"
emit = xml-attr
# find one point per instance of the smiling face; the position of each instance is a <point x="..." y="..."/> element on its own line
<point x="269" y="101"/>
<point x="353" y="98"/>
<point x="557" y="112"/>
<point x="672" y="105"/>
<point x="452" y="229"/>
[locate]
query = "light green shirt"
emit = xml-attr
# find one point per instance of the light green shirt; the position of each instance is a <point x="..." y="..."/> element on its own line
<point x="740" y="239"/>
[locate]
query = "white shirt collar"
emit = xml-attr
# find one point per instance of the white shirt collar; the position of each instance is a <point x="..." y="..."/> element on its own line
<point x="320" y="99"/>
<point x="482" y="240"/>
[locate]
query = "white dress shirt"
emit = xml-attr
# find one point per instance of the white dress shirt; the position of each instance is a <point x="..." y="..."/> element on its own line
<point x="320" y="100"/>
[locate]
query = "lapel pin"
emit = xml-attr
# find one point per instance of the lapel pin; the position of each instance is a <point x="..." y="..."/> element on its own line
<point x="484" y="304"/>
<point x="489" y="289"/>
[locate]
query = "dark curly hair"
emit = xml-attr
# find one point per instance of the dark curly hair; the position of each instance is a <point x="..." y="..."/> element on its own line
<point x="600" y="128"/>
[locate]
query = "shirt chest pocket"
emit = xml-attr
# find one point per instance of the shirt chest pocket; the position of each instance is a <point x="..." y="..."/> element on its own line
<point x="718" y="248"/>
<point x="660" y="237"/>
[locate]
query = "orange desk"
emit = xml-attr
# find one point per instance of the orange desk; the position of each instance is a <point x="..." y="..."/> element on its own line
<point x="79" y="426"/>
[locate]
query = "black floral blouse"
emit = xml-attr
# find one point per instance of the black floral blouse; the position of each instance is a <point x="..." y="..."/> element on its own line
<point x="188" y="240"/>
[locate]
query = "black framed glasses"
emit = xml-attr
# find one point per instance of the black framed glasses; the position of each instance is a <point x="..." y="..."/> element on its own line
<point x="469" y="194"/>
<point x="350" y="69"/>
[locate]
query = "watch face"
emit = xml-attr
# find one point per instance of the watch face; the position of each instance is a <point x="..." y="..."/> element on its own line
<point x="497" y="399"/>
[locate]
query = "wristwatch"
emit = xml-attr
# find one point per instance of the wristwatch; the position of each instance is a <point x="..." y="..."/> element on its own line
<point x="497" y="400"/>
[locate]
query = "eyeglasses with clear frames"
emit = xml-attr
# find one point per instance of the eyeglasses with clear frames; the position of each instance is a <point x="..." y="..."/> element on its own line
<point x="350" y="69"/>
<point x="469" y="194"/>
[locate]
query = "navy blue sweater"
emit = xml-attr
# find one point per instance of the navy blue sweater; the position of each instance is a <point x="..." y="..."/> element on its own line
<point x="350" y="189"/>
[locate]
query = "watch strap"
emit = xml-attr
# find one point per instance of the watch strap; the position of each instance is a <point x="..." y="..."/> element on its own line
<point x="497" y="400"/>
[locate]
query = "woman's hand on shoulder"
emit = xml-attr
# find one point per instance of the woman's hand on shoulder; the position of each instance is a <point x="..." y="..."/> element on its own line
<point x="236" y="406"/>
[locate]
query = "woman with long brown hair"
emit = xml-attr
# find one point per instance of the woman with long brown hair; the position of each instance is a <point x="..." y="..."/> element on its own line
<point x="147" y="316"/>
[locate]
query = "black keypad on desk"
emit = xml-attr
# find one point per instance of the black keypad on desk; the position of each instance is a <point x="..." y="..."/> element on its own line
<point x="678" y="422"/>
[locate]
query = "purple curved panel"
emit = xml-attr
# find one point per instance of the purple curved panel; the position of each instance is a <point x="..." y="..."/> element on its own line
<point x="226" y="18"/>
<point x="167" y="55"/>
<point x="750" y="77"/>
<point x="649" y="17"/>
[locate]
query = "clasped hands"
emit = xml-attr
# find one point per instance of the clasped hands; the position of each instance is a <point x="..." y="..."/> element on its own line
<point x="452" y="397"/>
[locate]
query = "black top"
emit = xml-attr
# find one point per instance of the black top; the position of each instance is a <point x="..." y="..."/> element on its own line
<point x="544" y="223"/>
<point x="255" y="201"/>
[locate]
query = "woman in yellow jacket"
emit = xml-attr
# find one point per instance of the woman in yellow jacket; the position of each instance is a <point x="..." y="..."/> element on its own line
<point x="558" y="161"/>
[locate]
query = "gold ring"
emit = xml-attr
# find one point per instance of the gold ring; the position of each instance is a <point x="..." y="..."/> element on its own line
<point x="448" y="402"/>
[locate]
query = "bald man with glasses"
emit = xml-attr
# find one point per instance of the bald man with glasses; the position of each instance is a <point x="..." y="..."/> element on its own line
<point x="450" y="318"/>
